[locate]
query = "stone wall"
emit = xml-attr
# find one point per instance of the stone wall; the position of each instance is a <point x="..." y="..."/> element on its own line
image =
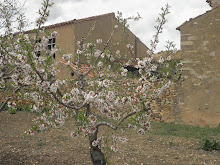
<point x="198" y="98"/>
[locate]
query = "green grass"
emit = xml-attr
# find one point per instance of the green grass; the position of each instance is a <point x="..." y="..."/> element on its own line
<point x="186" y="131"/>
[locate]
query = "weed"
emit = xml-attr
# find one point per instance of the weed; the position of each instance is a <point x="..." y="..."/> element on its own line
<point x="210" y="144"/>
<point x="171" y="144"/>
<point x="12" y="111"/>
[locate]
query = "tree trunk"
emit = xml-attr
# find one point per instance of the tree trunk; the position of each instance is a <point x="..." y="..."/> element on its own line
<point x="4" y="104"/>
<point x="97" y="156"/>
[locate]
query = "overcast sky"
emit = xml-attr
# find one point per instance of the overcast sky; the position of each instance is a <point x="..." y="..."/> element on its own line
<point x="181" y="11"/>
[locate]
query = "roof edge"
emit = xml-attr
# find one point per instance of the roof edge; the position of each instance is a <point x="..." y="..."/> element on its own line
<point x="79" y="20"/>
<point x="74" y="21"/>
<point x="191" y="19"/>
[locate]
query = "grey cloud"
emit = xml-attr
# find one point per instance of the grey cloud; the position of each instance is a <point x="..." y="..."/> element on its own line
<point x="181" y="11"/>
<point x="65" y="1"/>
<point x="55" y="12"/>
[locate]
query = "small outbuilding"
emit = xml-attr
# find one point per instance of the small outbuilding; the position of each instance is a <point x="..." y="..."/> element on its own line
<point x="198" y="99"/>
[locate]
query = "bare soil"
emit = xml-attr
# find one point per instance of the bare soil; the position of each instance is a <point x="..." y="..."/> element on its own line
<point x="55" y="146"/>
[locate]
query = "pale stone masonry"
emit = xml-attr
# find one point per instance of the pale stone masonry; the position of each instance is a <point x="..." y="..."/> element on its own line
<point x="198" y="99"/>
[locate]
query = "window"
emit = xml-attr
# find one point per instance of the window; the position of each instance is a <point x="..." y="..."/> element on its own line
<point x="51" y="45"/>
<point x="37" y="52"/>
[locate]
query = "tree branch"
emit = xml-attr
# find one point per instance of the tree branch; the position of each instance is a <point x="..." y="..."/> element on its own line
<point x="6" y="101"/>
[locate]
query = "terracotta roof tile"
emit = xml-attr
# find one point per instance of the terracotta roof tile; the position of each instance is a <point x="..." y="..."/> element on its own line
<point x="83" y="67"/>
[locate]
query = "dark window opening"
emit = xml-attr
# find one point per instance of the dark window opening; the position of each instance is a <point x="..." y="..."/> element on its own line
<point x="37" y="53"/>
<point x="39" y="40"/>
<point x="53" y="40"/>
<point x="49" y="47"/>
<point x="51" y="44"/>
<point x="49" y="41"/>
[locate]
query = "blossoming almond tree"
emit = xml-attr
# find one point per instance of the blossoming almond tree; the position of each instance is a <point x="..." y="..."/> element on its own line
<point x="105" y="99"/>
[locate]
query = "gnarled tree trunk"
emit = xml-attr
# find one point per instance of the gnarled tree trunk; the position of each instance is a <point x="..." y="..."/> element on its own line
<point x="97" y="156"/>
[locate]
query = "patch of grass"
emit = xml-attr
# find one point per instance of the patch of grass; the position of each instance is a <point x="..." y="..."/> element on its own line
<point x="64" y="138"/>
<point x="171" y="144"/>
<point x="186" y="131"/>
<point x="11" y="143"/>
<point x="12" y="111"/>
<point x="40" y="142"/>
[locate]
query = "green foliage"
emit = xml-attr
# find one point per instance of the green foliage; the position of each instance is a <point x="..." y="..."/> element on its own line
<point x="12" y="111"/>
<point x="210" y="144"/>
<point x="34" y="31"/>
<point x="132" y="120"/>
<point x="81" y="119"/>
<point x="34" y="127"/>
<point x="170" y="70"/>
<point x="23" y="107"/>
<point x="46" y="109"/>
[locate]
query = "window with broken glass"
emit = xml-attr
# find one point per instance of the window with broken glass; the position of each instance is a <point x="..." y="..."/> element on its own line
<point x="37" y="51"/>
<point x="51" y="45"/>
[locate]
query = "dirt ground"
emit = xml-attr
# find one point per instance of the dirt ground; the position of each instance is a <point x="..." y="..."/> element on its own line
<point x="55" y="146"/>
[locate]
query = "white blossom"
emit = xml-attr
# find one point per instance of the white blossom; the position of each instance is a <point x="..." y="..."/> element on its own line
<point x="100" y="64"/>
<point x="124" y="72"/>
<point x="99" y="41"/>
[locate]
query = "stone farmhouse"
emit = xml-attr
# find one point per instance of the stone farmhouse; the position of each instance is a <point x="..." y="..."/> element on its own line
<point x="72" y="31"/>
<point x="198" y="98"/>
<point x="195" y="99"/>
